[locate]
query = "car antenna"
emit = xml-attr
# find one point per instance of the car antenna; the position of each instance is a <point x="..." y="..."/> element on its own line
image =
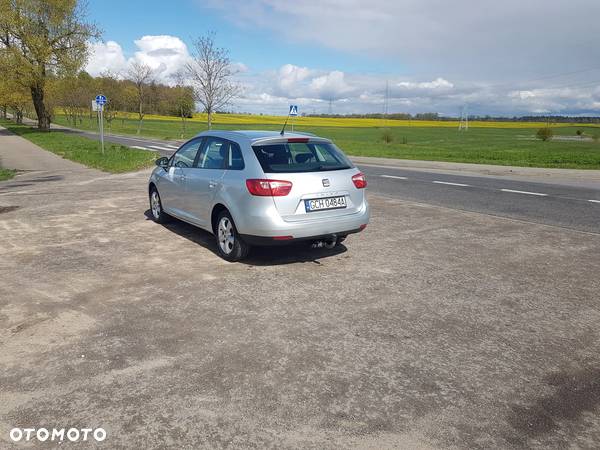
<point x="286" y="121"/>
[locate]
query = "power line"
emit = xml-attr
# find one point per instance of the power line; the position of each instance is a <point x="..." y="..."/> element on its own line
<point x="545" y="77"/>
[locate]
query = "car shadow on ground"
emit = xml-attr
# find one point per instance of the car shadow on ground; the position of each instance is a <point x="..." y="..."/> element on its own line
<point x="259" y="256"/>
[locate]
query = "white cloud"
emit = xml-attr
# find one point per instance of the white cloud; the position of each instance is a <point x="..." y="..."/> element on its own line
<point x="289" y="80"/>
<point x="330" y="86"/>
<point x="438" y="83"/>
<point x="351" y="93"/>
<point x="164" y="54"/>
<point x="105" y="57"/>
<point x="239" y="67"/>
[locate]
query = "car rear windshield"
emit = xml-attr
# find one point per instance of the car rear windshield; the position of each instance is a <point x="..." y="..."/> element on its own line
<point x="300" y="157"/>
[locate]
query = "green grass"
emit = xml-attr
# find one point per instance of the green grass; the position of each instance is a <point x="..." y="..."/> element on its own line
<point x="499" y="146"/>
<point x="6" y="174"/>
<point x="116" y="159"/>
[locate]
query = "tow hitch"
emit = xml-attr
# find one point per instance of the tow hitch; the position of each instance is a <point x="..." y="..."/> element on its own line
<point x="325" y="243"/>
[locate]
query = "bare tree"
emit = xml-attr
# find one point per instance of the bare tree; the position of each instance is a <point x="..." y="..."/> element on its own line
<point x="211" y="73"/>
<point x="141" y="75"/>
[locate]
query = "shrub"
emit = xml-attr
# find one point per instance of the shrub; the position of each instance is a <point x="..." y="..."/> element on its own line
<point x="387" y="136"/>
<point x="545" y="134"/>
<point x="579" y="132"/>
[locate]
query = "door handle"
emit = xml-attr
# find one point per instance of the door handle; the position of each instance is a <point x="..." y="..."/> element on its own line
<point x="212" y="184"/>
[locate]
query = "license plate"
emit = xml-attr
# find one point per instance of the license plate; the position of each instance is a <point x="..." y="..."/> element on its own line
<point x="320" y="204"/>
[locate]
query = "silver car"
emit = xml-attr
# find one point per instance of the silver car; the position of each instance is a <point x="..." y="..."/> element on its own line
<point x="261" y="188"/>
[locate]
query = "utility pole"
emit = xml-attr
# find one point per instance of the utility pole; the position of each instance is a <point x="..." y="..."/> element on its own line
<point x="386" y="98"/>
<point x="464" y="119"/>
<point x="386" y="102"/>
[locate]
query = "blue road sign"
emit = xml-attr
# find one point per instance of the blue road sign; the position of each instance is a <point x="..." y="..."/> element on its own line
<point x="293" y="110"/>
<point x="100" y="99"/>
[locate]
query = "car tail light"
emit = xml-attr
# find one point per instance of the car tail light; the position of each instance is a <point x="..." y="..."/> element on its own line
<point x="283" y="238"/>
<point x="293" y="140"/>
<point x="269" y="188"/>
<point x="359" y="180"/>
<point x="363" y="226"/>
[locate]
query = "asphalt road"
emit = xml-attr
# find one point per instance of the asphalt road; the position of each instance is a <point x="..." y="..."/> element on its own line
<point x="546" y="203"/>
<point x="550" y="204"/>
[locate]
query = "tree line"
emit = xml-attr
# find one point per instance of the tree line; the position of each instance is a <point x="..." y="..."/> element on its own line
<point x="487" y="118"/>
<point x="72" y="97"/>
<point x="44" y="44"/>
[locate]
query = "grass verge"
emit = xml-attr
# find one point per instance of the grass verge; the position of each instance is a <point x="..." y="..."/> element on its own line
<point x="483" y="145"/>
<point x="116" y="158"/>
<point x="6" y="174"/>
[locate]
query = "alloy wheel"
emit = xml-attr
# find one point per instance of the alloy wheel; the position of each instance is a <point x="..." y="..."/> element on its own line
<point x="226" y="235"/>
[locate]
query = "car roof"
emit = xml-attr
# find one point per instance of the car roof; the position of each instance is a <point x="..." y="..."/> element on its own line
<point x="257" y="135"/>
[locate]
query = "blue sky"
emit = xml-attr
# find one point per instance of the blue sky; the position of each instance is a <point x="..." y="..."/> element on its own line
<point x="498" y="58"/>
<point x="258" y="48"/>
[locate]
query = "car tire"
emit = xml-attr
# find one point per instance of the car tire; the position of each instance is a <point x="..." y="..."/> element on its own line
<point x="229" y="244"/>
<point x="156" y="210"/>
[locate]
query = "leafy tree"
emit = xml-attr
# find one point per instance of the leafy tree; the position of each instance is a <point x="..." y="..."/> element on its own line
<point x="40" y="39"/>
<point x="13" y="96"/>
<point x="211" y="73"/>
<point x="545" y="134"/>
<point x="74" y="94"/>
<point x="387" y="136"/>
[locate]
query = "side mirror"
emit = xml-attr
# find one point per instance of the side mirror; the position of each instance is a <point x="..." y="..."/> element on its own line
<point x="163" y="162"/>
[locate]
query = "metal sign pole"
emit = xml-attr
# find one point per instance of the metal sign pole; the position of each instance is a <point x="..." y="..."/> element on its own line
<point x="102" y="127"/>
<point x="100" y="102"/>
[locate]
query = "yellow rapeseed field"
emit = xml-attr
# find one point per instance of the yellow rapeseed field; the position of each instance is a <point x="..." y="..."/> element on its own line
<point x="248" y="119"/>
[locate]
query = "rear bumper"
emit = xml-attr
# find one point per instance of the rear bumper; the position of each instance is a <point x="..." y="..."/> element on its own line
<point x="270" y="241"/>
<point x="269" y="224"/>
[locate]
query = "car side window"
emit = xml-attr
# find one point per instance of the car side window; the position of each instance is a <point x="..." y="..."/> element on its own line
<point x="185" y="156"/>
<point x="215" y="152"/>
<point x="235" y="160"/>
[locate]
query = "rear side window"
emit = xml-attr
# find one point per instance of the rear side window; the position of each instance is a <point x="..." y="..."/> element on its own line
<point x="300" y="157"/>
<point x="213" y="154"/>
<point x="217" y="153"/>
